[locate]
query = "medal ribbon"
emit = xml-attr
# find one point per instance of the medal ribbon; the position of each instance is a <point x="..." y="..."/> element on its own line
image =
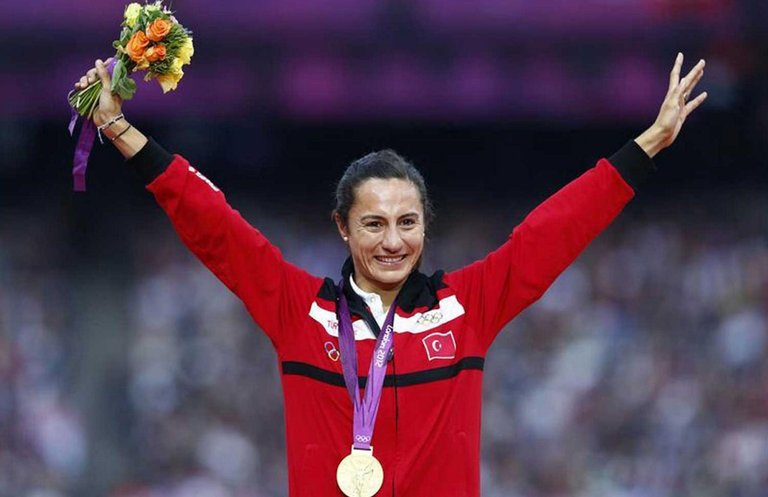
<point x="364" y="411"/>
<point x="84" y="143"/>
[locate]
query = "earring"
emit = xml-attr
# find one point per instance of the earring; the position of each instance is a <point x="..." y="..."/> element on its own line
<point x="346" y="238"/>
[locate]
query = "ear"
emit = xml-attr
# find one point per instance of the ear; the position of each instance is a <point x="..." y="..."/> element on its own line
<point x="341" y="226"/>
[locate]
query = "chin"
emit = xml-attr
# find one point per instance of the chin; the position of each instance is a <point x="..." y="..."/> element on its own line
<point x="392" y="279"/>
<point x="386" y="278"/>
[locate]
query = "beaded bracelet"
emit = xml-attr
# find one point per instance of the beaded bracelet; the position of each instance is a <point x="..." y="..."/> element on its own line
<point x="122" y="132"/>
<point x="107" y="124"/>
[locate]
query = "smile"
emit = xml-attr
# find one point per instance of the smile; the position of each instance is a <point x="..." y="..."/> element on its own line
<point x="390" y="260"/>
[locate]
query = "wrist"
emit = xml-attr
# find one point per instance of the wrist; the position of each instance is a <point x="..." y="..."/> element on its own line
<point x="126" y="138"/>
<point x="652" y="141"/>
<point x="100" y="118"/>
<point x="114" y="129"/>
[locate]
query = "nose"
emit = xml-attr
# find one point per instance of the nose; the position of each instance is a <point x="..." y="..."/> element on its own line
<point x="392" y="241"/>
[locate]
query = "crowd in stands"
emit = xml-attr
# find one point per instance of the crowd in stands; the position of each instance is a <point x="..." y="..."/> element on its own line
<point x="643" y="372"/>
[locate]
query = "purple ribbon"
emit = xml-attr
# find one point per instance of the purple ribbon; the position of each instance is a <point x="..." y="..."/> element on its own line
<point x="84" y="142"/>
<point x="364" y="411"/>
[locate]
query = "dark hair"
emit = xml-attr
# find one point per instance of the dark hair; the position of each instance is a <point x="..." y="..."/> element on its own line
<point x="384" y="164"/>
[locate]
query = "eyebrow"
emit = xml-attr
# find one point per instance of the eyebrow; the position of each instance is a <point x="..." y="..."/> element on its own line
<point x="378" y="217"/>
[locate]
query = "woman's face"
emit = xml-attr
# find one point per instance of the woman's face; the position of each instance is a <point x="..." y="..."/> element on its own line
<point x="385" y="232"/>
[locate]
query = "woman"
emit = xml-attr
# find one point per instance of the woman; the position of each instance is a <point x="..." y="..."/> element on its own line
<point x="427" y="334"/>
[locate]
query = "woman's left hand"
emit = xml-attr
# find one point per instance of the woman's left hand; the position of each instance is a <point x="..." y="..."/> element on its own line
<point x="674" y="110"/>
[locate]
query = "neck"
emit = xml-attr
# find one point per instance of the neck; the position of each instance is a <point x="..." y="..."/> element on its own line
<point x="387" y="295"/>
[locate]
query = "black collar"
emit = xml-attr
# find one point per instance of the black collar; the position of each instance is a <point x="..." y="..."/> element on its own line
<point x="419" y="290"/>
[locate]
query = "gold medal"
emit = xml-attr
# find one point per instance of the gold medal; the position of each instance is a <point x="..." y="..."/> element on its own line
<point x="360" y="474"/>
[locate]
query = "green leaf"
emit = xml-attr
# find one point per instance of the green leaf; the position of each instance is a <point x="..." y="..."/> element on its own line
<point x="125" y="35"/>
<point x="118" y="73"/>
<point x="121" y="84"/>
<point x="126" y="88"/>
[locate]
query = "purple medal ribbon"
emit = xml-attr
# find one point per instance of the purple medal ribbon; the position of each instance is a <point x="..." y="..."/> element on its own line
<point x="84" y="143"/>
<point x="365" y="411"/>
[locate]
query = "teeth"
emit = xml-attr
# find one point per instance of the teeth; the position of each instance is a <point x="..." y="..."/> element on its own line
<point x="391" y="260"/>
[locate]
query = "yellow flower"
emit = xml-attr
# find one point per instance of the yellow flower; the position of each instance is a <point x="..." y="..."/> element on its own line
<point x="186" y="51"/>
<point x="141" y="65"/>
<point x="170" y="81"/>
<point x="132" y="12"/>
<point x="176" y="64"/>
<point x="153" y="7"/>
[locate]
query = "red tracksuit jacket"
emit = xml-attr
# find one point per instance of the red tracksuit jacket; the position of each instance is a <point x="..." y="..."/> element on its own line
<point x="427" y="434"/>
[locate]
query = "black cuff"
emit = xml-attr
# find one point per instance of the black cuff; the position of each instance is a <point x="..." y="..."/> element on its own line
<point x="150" y="162"/>
<point x="633" y="164"/>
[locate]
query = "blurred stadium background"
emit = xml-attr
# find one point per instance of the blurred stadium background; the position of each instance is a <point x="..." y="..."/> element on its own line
<point x="128" y="371"/>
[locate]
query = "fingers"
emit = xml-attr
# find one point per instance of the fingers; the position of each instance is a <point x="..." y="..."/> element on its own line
<point x="93" y="75"/>
<point x="103" y="74"/>
<point x="693" y="104"/>
<point x="674" y="76"/>
<point x="692" y="78"/>
<point x="89" y="78"/>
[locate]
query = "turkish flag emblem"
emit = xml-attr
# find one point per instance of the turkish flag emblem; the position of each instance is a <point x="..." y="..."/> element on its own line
<point x="440" y="345"/>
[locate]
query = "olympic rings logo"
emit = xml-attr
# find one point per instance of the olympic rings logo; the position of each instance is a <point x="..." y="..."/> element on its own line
<point x="362" y="438"/>
<point x="330" y="349"/>
<point x="430" y="317"/>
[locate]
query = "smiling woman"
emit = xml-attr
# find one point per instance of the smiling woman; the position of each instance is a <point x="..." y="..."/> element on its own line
<point x="421" y="339"/>
<point x="382" y="211"/>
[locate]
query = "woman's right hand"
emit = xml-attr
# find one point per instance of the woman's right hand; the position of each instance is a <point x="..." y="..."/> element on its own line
<point x="109" y="105"/>
<point x="127" y="139"/>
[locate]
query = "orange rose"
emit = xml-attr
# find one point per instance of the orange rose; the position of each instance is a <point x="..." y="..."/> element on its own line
<point x="159" y="29"/>
<point x="136" y="46"/>
<point x="155" y="53"/>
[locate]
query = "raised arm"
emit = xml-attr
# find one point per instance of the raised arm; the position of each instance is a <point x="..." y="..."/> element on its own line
<point x="237" y="253"/>
<point x="675" y="108"/>
<point x="557" y="231"/>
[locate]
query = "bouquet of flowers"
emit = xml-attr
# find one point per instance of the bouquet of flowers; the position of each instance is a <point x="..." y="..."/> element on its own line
<point x="151" y="40"/>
